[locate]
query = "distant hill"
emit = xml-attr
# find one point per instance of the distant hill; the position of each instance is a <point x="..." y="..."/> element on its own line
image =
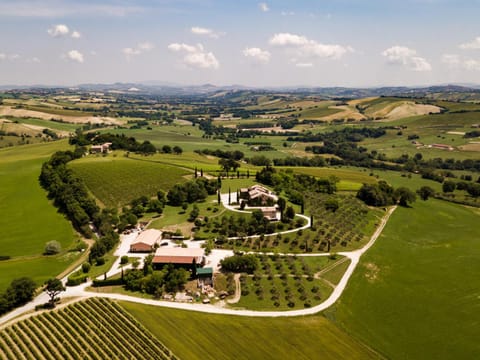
<point x="468" y="92"/>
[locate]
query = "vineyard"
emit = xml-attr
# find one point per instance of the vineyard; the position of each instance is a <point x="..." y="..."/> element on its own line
<point x="92" y="329"/>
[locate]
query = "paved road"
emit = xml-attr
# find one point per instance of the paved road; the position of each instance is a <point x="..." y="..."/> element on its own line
<point x="354" y="256"/>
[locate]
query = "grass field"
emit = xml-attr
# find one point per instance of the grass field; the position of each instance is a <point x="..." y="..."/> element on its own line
<point x="92" y="329"/>
<point x="420" y="282"/>
<point x="115" y="181"/>
<point x="192" y="335"/>
<point x="27" y="219"/>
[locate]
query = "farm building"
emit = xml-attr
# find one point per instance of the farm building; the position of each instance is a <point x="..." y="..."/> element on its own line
<point x="258" y="195"/>
<point x="97" y="149"/>
<point x="270" y="213"/>
<point x="187" y="258"/>
<point x="145" y="242"/>
<point x="442" y="147"/>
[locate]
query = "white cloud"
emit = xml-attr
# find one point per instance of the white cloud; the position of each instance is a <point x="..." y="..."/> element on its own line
<point x="257" y="54"/>
<point x="195" y="56"/>
<point x="404" y="56"/>
<point x="76" y="35"/>
<point x="460" y="62"/>
<point x="263" y="6"/>
<point x="287" y="13"/>
<point x="472" y="45"/>
<point x="10" y="57"/>
<point x="58" y="30"/>
<point x="304" y="65"/>
<point x="141" y="48"/>
<point x="309" y="48"/>
<point x="34" y="59"/>
<point x="451" y="59"/>
<point x="75" y="55"/>
<point x="206" y="32"/>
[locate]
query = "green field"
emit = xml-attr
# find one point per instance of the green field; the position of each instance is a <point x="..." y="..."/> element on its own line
<point x="116" y="180"/>
<point x="192" y="335"/>
<point x="415" y="293"/>
<point x="92" y="329"/>
<point x="27" y="219"/>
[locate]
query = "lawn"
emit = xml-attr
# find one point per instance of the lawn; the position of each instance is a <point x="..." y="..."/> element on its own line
<point x="415" y="293"/>
<point x="116" y="180"/>
<point x="38" y="268"/>
<point x="192" y="335"/>
<point x="27" y="218"/>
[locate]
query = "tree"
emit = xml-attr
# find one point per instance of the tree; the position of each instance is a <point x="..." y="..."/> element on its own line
<point x="332" y="205"/>
<point x="448" y="186"/>
<point x="52" y="247"/>
<point x="177" y="150"/>
<point x="425" y="192"/>
<point x="166" y="149"/>
<point x="289" y="213"/>
<point x="53" y="288"/>
<point x="405" y="196"/>
<point x="20" y="291"/>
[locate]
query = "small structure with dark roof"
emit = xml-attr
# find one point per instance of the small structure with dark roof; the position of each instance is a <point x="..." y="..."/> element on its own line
<point x="205" y="276"/>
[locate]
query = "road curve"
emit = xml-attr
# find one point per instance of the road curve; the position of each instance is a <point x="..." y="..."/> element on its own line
<point x="354" y="256"/>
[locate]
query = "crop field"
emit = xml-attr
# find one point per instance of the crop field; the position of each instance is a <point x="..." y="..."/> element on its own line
<point x="420" y="282"/>
<point x="284" y="283"/>
<point x="92" y="329"/>
<point x="53" y="125"/>
<point x="430" y="129"/>
<point x="115" y="181"/>
<point x="24" y="213"/>
<point x="192" y="335"/>
<point x="350" y="179"/>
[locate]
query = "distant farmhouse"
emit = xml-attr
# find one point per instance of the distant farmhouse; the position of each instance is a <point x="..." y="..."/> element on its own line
<point x="146" y="241"/>
<point x="442" y="147"/>
<point x="258" y="195"/>
<point x="271" y="213"/>
<point x="100" y="149"/>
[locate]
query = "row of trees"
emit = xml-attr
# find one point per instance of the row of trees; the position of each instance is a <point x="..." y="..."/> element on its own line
<point x="382" y="194"/>
<point x="70" y="195"/>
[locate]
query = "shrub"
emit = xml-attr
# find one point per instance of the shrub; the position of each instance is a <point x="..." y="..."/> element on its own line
<point x="100" y="261"/>
<point x="124" y="260"/>
<point x="76" y="279"/>
<point x="52" y="247"/>
<point x="86" y="267"/>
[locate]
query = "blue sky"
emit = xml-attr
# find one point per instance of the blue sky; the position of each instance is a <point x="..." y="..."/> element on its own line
<point x="255" y="43"/>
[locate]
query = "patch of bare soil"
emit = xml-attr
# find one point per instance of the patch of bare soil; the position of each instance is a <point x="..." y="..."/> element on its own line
<point x="372" y="272"/>
<point x="407" y="109"/>
<point x="8" y="111"/>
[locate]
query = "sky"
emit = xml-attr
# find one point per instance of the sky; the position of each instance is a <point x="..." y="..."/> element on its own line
<point x="353" y="43"/>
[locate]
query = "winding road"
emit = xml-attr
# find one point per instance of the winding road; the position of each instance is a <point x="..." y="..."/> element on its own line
<point x="80" y="292"/>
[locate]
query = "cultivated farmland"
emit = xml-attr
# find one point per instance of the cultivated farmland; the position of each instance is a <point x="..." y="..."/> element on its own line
<point x="115" y="181"/>
<point x="93" y="329"/>
<point x="423" y="270"/>
<point x="192" y="335"/>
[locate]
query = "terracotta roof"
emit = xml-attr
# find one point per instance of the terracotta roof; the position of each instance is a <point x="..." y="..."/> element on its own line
<point x="179" y="251"/>
<point x="149" y="237"/>
<point x="176" y="259"/>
